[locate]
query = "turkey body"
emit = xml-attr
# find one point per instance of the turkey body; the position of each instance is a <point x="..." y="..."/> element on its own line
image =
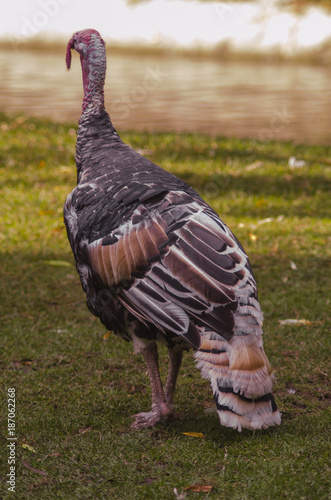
<point x="157" y="263"/>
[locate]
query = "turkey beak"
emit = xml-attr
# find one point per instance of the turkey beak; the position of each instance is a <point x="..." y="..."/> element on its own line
<point x="70" y="46"/>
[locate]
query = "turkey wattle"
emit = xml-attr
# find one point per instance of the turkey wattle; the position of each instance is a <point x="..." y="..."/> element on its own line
<point x="157" y="263"/>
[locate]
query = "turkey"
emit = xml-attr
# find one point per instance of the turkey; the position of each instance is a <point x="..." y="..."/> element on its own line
<point x="158" y="264"/>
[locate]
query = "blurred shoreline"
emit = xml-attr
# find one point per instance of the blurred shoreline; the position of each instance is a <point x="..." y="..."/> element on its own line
<point x="320" y="55"/>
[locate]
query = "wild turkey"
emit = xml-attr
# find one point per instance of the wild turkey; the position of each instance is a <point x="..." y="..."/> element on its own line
<point x="158" y="264"/>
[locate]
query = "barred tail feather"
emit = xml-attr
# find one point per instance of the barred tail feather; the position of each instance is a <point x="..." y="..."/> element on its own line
<point x="241" y="379"/>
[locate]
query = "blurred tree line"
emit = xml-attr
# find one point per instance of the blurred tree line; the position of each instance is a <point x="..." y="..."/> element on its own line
<point x="295" y="5"/>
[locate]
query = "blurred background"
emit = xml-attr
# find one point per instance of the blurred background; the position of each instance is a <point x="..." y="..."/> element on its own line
<point x="257" y="69"/>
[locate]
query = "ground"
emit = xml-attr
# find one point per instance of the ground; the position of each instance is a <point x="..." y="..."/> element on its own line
<point x="77" y="386"/>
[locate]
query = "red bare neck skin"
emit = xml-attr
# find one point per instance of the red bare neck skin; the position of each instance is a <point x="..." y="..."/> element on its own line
<point x="91" y="48"/>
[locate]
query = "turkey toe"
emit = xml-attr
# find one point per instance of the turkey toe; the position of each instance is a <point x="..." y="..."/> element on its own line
<point x="151" y="418"/>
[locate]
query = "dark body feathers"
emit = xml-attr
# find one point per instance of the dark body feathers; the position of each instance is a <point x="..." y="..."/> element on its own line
<point x="155" y="261"/>
<point x="135" y="229"/>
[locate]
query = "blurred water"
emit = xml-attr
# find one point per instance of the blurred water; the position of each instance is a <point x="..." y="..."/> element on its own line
<point x="155" y="93"/>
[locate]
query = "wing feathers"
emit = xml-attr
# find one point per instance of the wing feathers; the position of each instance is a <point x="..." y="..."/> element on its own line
<point x="123" y="271"/>
<point x="128" y="256"/>
<point x="137" y="253"/>
<point x="105" y="264"/>
<point x="129" y="253"/>
<point x="157" y="234"/>
<point x="147" y="244"/>
<point x="181" y="263"/>
<point x="96" y="257"/>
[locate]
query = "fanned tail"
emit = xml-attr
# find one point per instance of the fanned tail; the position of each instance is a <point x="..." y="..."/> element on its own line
<point x="241" y="379"/>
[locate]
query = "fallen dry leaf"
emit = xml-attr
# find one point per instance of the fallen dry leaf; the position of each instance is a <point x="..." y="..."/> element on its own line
<point x="265" y="221"/>
<point x="291" y="354"/>
<point x="106" y="335"/>
<point x="199" y="488"/>
<point x="254" y="165"/>
<point x="293" y="265"/>
<point x="252" y="236"/>
<point x="58" y="263"/>
<point x="295" y="322"/>
<point x="84" y="430"/>
<point x="57" y="229"/>
<point x="194" y="434"/>
<point x="46" y="212"/>
<point x="24" y="362"/>
<point x="28" y="447"/>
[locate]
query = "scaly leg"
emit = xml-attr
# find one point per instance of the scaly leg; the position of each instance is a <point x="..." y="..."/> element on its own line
<point x="160" y="409"/>
<point x="175" y="358"/>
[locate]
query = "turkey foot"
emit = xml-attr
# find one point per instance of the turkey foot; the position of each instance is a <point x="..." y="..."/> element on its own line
<point x="160" y="413"/>
<point x="162" y="405"/>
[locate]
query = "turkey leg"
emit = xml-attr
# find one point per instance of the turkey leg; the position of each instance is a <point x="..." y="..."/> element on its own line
<point x="175" y="359"/>
<point x="160" y="408"/>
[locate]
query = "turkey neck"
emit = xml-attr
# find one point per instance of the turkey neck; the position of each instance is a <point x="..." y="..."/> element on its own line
<point x="95" y="127"/>
<point x="94" y="66"/>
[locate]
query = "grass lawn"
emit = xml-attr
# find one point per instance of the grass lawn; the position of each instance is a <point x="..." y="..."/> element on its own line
<point x="77" y="386"/>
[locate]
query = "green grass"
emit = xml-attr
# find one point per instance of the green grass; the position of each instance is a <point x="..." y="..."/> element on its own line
<point x="76" y="390"/>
